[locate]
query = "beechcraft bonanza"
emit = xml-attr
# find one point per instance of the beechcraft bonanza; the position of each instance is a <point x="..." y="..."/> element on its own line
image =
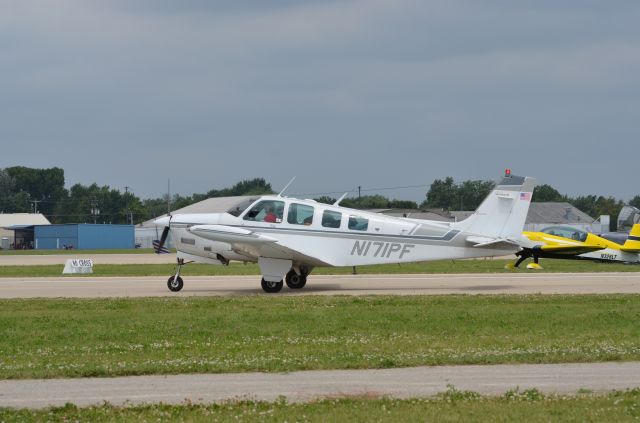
<point x="289" y="237"/>
<point x="565" y="242"/>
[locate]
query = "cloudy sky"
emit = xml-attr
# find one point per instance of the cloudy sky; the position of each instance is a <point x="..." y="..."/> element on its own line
<point x="375" y="93"/>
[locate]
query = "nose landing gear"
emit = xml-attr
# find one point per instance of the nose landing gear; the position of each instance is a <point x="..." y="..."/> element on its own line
<point x="175" y="282"/>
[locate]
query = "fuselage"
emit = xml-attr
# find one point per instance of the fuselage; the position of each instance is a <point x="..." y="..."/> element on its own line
<point x="603" y="249"/>
<point x="317" y="234"/>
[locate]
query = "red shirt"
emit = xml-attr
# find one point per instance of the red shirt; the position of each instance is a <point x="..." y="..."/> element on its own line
<point x="270" y="218"/>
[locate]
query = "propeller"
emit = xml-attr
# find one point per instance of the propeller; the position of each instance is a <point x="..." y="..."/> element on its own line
<point x="159" y="245"/>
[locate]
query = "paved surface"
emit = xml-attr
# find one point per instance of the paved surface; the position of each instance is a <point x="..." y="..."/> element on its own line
<point x="309" y="385"/>
<point x="155" y="286"/>
<point x="35" y="259"/>
<point x="32" y="260"/>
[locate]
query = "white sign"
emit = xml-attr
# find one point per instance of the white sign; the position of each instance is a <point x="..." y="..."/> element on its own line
<point x="78" y="266"/>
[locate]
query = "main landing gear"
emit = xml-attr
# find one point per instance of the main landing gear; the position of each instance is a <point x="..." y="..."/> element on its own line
<point x="522" y="256"/>
<point x="293" y="279"/>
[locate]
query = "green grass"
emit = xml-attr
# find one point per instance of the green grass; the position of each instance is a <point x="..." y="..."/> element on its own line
<point x="42" y="338"/>
<point x="444" y="266"/>
<point x="75" y="252"/>
<point x="450" y="406"/>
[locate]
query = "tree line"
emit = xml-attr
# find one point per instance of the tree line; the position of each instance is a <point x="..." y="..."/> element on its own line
<point x="25" y="190"/>
<point x="467" y="195"/>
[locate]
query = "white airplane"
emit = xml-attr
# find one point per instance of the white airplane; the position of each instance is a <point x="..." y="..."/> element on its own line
<point x="289" y="237"/>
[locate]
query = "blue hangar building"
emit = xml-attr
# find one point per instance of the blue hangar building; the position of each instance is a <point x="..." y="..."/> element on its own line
<point x="83" y="237"/>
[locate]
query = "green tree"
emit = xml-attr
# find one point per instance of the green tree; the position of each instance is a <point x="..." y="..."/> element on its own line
<point x="402" y="204"/>
<point x="442" y="194"/>
<point x="585" y="203"/>
<point x="635" y="201"/>
<point x="471" y="193"/>
<point x="325" y="199"/>
<point x="43" y="185"/>
<point x="158" y="206"/>
<point x="16" y="203"/>
<point x="366" y="202"/>
<point x="254" y="186"/>
<point x="546" y="193"/>
<point x="7" y="184"/>
<point x="451" y="196"/>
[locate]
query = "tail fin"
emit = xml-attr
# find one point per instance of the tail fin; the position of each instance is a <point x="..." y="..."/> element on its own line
<point x="503" y="213"/>
<point x="632" y="244"/>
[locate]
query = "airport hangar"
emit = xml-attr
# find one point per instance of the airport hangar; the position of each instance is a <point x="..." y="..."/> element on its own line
<point x="75" y="236"/>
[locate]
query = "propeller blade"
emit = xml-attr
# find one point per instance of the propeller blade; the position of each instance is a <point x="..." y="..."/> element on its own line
<point x="159" y="247"/>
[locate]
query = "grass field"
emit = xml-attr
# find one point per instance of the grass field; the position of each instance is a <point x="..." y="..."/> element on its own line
<point x="450" y="406"/>
<point x="75" y="338"/>
<point x="444" y="266"/>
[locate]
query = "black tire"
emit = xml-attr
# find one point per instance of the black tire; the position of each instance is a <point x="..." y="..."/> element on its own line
<point x="175" y="286"/>
<point x="295" y="281"/>
<point x="271" y="287"/>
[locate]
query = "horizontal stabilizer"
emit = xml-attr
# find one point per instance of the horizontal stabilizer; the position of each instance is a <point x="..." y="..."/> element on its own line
<point x="496" y="243"/>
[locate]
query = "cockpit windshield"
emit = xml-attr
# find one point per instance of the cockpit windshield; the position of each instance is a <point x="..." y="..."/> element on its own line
<point x="237" y="209"/>
<point x="566" y="232"/>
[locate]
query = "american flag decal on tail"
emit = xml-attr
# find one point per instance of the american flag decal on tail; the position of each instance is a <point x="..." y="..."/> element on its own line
<point x="525" y="196"/>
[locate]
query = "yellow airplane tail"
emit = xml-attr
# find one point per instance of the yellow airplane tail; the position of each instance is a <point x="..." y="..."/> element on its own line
<point x="632" y="244"/>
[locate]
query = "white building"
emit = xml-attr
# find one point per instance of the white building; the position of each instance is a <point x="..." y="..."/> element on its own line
<point x="16" y="221"/>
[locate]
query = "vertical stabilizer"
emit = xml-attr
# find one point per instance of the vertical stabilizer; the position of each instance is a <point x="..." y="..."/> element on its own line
<point x="632" y="244"/>
<point x="503" y="213"/>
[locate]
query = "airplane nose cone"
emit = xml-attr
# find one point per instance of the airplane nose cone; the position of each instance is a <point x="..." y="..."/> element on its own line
<point x="162" y="221"/>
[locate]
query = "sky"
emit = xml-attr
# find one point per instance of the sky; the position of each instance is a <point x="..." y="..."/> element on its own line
<point x="340" y="94"/>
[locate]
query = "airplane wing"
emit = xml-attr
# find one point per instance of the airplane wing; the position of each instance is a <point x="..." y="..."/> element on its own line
<point x="252" y="244"/>
<point x="568" y="249"/>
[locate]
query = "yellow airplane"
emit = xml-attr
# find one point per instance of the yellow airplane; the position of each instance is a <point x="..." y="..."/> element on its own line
<point x="564" y="242"/>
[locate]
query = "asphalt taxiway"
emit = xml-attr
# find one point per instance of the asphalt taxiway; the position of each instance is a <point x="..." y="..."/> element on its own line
<point x="309" y="385"/>
<point x="156" y="286"/>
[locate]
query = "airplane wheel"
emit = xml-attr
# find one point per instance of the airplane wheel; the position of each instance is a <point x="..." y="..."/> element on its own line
<point x="295" y="281"/>
<point x="175" y="285"/>
<point x="271" y="287"/>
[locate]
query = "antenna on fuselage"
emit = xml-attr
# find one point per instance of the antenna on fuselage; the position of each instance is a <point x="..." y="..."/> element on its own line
<point x="337" y="203"/>
<point x="286" y="186"/>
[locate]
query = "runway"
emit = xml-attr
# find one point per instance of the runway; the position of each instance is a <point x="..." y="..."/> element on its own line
<point x="155" y="286"/>
<point x="309" y="385"/>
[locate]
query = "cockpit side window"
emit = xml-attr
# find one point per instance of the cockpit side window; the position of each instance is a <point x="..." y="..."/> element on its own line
<point x="358" y="223"/>
<point x="269" y="211"/>
<point x="300" y="214"/>
<point x="241" y="207"/>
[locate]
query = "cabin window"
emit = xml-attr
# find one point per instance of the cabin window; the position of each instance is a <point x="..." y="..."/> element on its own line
<point x="358" y="223"/>
<point x="300" y="214"/>
<point x="331" y="219"/>
<point x="269" y="211"/>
